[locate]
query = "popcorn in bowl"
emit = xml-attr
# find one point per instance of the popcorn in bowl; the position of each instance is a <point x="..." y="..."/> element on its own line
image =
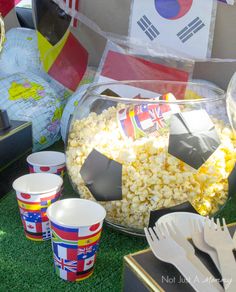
<point x="151" y="177"/>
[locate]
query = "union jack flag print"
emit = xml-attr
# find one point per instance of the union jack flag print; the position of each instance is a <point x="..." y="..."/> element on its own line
<point x="87" y="251"/>
<point x="65" y="269"/>
<point x="156" y="114"/>
<point x="148" y="119"/>
<point x="75" y="250"/>
<point x="66" y="265"/>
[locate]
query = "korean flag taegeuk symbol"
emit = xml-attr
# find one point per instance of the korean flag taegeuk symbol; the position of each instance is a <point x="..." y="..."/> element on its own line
<point x="185" y="26"/>
<point x="67" y="265"/>
<point x="174" y="9"/>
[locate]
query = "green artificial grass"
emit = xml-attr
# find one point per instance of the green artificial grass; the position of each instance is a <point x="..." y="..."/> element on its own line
<point x="26" y="265"/>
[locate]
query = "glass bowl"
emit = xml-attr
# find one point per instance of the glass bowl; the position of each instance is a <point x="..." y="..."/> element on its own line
<point x="139" y="147"/>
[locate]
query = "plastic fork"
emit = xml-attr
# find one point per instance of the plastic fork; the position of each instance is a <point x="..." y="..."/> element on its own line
<point x="199" y="242"/>
<point x="176" y="234"/>
<point x="219" y="238"/>
<point x="234" y="239"/>
<point x="167" y="250"/>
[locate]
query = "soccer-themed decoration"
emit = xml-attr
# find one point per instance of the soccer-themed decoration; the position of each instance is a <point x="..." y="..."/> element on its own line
<point x="156" y="214"/>
<point x="146" y="119"/>
<point x="231" y="182"/>
<point x="193" y="137"/>
<point x="75" y="250"/>
<point x="33" y="214"/>
<point x="27" y="97"/>
<point x="186" y="26"/>
<point x="102" y="176"/>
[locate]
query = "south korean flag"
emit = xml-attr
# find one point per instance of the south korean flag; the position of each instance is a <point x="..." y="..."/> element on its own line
<point x="185" y="26"/>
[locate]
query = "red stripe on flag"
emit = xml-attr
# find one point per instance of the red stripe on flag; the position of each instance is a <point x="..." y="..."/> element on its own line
<point x="72" y="254"/>
<point x="84" y="275"/>
<point x="44" y="217"/>
<point x="51" y="197"/>
<point x="28" y="202"/>
<point x="80" y="265"/>
<point x="66" y="235"/>
<point x="77" y="5"/>
<point x="90" y="236"/>
<point x="33" y="236"/>
<point x="39" y="227"/>
<point x="75" y="23"/>
<point x="91" y="244"/>
<point x="71" y="64"/>
<point x="128" y="126"/>
<point x="71" y="276"/>
<point x="120" y="67"/>
<point x="138" y="69"/>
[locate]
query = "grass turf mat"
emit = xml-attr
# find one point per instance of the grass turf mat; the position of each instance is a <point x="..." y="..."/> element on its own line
<point x="26" y="265"/>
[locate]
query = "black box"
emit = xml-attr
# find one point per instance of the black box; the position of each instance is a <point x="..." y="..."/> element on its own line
<point x="144" y="272"/>
<point x="15" y="143"/>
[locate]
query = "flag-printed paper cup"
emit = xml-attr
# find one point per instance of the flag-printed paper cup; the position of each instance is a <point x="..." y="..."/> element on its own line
<point x="76" y="226"/>
<point x="47" y="162"/>
<point x="35" y="192"/>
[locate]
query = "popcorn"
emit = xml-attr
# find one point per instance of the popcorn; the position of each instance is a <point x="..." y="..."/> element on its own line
<point x="151" y="178"/>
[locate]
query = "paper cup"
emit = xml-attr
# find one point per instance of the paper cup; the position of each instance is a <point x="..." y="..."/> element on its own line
<point x="76" y="226"/>
<point x="47" y="162"/>
<point x="35" y="192"/>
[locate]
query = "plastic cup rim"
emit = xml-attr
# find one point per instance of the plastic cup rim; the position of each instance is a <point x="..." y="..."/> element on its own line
<point x="58" y="187"/>
<point x="62" y="162"/>
<point x="76" y="225"/>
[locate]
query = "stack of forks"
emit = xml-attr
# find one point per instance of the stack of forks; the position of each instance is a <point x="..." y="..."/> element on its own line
<point x="169" y="245"/>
